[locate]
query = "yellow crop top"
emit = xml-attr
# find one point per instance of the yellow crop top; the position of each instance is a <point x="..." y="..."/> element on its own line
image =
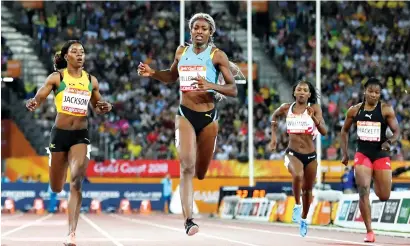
<point x="73" y="94"/>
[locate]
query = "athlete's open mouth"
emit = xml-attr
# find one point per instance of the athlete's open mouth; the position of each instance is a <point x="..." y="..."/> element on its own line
<point x="199" y="38"/>
<point x="79" y="60"/>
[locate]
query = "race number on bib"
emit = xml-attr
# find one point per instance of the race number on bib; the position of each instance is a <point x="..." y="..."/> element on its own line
<point x="369" y="131"/>
<point x="298" y="124"/>
<point x="76" y="101"/>
<point x="186" y="75"/>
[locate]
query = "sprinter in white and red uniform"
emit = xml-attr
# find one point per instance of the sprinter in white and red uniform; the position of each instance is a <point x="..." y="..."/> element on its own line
<point x="372" y="158"/>
<point x="303" y="121"/>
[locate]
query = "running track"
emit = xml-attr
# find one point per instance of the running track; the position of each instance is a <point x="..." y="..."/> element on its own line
<point x="161" y="230"/>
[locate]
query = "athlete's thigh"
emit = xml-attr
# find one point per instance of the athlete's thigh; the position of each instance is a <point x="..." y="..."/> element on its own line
<point x="185" y="141"/>
<point x="206" y="143"/>
<point x="309" y="176"/>
<point x="363" y="171"/>
<point x="382" y="176"/>
<point x="58" y="164"/>
<point x="363" y="175"/>
<point x="294" y="165"/>
<point x="78" y="158"/>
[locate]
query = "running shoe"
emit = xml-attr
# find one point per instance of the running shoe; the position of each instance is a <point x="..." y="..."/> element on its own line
<point x="370" y="238"/>
<point x="303" y="227"/>
<point x="190" y="227"/>
<point x="297" y="213"/>
<point x="70" y="240"/>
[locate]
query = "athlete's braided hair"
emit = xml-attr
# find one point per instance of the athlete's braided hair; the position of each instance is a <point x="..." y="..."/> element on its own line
<point x="59" y="60"/>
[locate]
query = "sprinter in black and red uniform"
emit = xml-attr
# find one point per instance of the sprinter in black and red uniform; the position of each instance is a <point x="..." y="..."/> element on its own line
<point x="372" y="158"/>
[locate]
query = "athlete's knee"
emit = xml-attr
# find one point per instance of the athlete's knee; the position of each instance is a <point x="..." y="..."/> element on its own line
<point x="384" y="196"/>
<point x="307" y="192"/>
<point x="364" y="191"/>
<point x="57" y="188"/>
<point x="187" y="163"/>
<point x="298" y="176"/>
<point x="188" y="169"/>
<point x="76" y="182"/>
<point x="200" y="175"/>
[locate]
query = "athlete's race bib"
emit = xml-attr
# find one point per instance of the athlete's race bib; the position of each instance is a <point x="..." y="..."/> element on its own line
<point x="186" y="75"/>
<point x="369" y="131"/>
<point x="75" y="101"/>
<point x="298" y="124"/>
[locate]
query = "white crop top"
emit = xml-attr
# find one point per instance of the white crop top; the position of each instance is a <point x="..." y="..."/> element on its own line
<point x="300" y="123"/>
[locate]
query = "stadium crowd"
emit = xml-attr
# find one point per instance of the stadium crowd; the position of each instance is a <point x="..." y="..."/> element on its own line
<point x="118" y="35"/>
<point x="290" y="41"/>
<point x="362" y="40"/>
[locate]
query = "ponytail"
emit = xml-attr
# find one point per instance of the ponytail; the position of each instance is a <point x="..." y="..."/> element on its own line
<point x="59" y="61"/>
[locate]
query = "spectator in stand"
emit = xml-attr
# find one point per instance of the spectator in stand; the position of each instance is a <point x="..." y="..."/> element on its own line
<point x="362" y="40"/>
<point x="167" y="190"/>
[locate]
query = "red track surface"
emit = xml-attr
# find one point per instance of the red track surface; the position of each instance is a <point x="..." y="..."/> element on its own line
<point x="161" y="230"/>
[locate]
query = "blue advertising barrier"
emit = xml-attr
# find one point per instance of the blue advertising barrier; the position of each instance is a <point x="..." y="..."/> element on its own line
<point x="109" y="195"/>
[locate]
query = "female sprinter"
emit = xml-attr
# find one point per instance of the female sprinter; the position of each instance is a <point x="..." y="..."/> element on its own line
<point x="372" y="154"/>
<point x="303" y="120"/>
<point x="197" y="66"/>
<point x="73" y="89"/>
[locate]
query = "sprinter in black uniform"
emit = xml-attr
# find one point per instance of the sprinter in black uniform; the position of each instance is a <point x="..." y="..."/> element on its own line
<point x="372" y="158"/>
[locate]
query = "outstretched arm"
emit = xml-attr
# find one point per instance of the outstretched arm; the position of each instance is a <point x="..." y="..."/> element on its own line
<point x="277" y="114"/>
<point x="345" y="133"/>
<point x="99" y="106"/>
<point x="51" y="81"/>
<point x="166" y="76"/>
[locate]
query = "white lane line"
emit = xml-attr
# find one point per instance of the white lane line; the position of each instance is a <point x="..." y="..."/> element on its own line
<point x="27" y="225"/>
<point x="315" y="227"/>
<point x="142" y="222"/>
<point x="43" y="223"/>
<point x="100" y="230"/>
<point x="61" y="239"/>
<point x="287" y="234"/>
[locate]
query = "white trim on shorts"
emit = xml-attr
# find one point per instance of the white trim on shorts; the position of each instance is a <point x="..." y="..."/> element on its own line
<point x="49" y="154"/>
<point x="287" y="161"/>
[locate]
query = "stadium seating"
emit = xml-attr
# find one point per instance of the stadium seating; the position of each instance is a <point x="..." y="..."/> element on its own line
<point x="362" y="40"/>
<point x="118" y="35"/>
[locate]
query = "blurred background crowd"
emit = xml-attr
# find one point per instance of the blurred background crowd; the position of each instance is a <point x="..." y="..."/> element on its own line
<point x="359" y="40"/>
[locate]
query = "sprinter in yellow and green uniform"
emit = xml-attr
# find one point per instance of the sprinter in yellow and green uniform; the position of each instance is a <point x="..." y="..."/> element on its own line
<point x="73" y="88"/>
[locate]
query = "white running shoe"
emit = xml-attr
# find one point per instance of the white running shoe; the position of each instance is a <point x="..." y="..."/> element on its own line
<point x="70" y="240"/>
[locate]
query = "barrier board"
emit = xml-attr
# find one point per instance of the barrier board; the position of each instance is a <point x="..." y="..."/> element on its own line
<point x="253" y="209"/>
<point x="109" y="195"/>
<point x="392" y="215"/>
